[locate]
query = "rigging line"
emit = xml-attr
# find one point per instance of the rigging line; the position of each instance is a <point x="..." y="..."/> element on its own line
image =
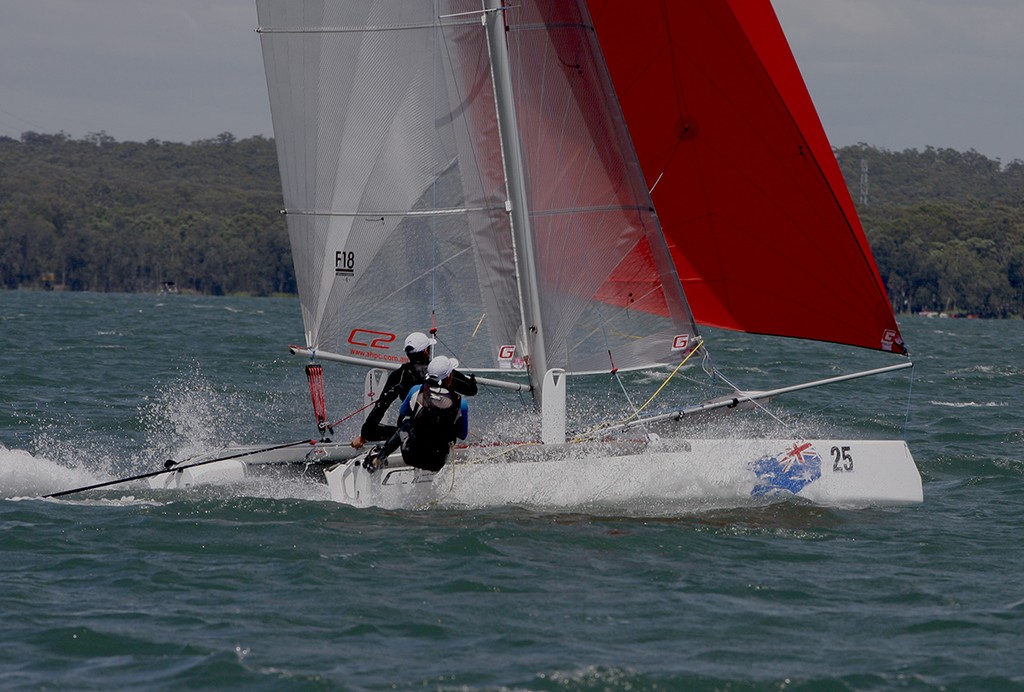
<point x="752" y="400"/>
<point x="622" y="385"/>
<point x="357" y="411"/>
<point x="175" y="468"/>
<point x="615" y="374"/>
<point x="709" y="381"/>
<point x="582" y="437"/>
<point x="699" y="346"/>
<point x="708" y="366"/>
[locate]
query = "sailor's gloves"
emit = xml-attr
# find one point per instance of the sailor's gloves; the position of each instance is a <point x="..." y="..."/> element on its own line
<point x="375" y="459"/>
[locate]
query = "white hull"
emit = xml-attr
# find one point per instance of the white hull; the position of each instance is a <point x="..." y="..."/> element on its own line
<point x="305" y="460"/>
<point x="645" y="478"/>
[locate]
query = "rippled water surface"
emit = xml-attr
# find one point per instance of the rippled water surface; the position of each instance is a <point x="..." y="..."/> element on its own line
<point x="272" y="586"/>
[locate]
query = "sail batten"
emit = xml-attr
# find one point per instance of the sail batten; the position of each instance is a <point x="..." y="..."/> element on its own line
<point x="359" y="29"/>
<point x="378" y="212"/>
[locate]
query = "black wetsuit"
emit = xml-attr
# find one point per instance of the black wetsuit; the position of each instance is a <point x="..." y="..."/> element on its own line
<point x="434" y="419"/>
<point x="464" y="385"/>
<point x="397" y="386"/>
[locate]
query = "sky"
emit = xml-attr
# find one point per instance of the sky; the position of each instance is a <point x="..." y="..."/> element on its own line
<point x="897" y="74"/>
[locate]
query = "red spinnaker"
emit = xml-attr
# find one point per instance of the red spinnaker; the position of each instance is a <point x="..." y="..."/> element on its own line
<point x="760" y="225"/>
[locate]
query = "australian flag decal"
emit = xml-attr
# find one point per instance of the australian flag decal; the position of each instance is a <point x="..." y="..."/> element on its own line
<point x="787" y="472"/>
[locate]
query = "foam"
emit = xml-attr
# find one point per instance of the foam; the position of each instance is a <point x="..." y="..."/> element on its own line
<point x="24" y="475"/>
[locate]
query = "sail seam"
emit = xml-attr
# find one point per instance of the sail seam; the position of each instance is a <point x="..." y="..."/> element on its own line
<point x="534" y="26"/>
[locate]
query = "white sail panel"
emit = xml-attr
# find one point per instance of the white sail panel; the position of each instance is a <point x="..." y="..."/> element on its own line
<point x="392" y="183"/>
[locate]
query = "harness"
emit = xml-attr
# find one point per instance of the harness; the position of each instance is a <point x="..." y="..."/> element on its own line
<point x="431" y="427"/>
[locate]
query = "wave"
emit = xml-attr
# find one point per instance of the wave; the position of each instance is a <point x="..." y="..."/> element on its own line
<point x="24" y="475"/>
<point x="1001" y="370"/>
<point x="970" y="404"/>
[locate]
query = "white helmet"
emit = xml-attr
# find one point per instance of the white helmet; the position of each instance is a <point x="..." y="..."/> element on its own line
<point x="418" y="342"/>
<point x="440" y="368"/>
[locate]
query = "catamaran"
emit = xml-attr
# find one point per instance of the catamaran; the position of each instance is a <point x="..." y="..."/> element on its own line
<point x="563" y="189"/>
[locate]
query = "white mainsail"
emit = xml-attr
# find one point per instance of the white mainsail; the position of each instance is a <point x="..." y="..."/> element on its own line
<point x="397" y="198"/>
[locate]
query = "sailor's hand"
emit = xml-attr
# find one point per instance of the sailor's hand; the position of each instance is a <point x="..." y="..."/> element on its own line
<point x="358" y="441"/>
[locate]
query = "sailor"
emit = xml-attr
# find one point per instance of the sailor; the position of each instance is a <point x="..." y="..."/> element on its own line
<point x="417" y="349"/>
<point x="430" y="419"/>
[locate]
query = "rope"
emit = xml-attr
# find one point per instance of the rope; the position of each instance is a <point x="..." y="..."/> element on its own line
<point x="622" y="385"/>
<point x="699" y="346"/>
<point x="451" y="463"/>
<point x="755" y="402"/>
<point x="629" y="401"/>
<point x="172" y="467"/>
<point x="582" y="437"/>
<point x="358" y="410"/>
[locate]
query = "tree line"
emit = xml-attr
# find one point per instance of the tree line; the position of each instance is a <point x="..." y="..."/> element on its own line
<point x="946" y="227"/>
<point x="95" y="214"/>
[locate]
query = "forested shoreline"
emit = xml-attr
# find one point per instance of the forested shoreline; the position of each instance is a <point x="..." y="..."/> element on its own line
<point x="94" y="214"/>
<point x="946" y="227"/>
<point x="99" y="215"/>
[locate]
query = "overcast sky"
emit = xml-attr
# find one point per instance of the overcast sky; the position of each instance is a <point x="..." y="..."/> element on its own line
<point x="897" y="74"/>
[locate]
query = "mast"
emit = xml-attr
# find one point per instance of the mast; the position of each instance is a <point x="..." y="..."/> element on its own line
<point x="515" y="182"/>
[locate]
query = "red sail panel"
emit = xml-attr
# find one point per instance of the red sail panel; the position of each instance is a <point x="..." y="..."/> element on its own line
<point x="761" y="227"/>
<point x="635" y="283"/>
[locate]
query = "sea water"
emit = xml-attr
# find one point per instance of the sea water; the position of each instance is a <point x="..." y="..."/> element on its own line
<point x="272" y="586"/>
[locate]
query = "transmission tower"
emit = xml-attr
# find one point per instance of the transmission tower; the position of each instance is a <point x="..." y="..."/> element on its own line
<point x="864" y="182"/>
